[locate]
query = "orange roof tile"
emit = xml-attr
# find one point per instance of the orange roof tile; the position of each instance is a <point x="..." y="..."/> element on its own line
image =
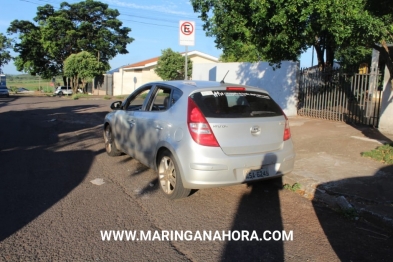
<point x="143" y="63"/>
<point x="155" y="59"/>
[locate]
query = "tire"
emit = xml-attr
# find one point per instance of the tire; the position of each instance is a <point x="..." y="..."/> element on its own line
<point x="60" y="93"/>
<point x="169" y="177"/>
<point x="110" y="146"/>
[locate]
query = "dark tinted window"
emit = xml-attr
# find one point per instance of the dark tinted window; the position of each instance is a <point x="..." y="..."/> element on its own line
<point x="176" y="95"/>
<point x="233" y="104"/>
<point x="3" y="87"/>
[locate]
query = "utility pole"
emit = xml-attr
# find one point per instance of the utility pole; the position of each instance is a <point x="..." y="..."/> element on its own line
<point x="186" y="64"/>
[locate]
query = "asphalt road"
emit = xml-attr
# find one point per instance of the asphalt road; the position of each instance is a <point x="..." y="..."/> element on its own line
<point x="52" y="148"/>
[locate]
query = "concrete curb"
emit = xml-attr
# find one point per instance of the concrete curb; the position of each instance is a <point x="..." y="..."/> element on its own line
<point x="309" y="190"/>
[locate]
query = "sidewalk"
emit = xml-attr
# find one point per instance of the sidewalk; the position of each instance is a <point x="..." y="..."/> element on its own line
<point x="330" y="169"/>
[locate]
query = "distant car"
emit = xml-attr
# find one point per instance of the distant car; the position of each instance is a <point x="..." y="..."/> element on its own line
<point x="63" y="90"/>
<point x="200" y="134"/>
<point x="4" y="91"/>
<point x="22" y="90"/>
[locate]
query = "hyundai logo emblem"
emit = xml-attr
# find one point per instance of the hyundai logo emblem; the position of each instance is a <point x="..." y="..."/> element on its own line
<point x="255" y="130"/>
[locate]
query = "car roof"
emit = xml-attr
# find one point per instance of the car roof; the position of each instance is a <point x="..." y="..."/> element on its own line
<point x="190" y="85"/>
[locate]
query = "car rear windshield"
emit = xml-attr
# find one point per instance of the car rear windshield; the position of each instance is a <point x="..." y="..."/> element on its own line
<point x="234" y="104"/>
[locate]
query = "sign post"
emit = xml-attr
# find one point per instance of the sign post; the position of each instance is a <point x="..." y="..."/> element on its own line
<point x="186" y="38"/>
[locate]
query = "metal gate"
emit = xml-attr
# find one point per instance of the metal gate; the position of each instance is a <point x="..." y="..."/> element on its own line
<point x="333" y="95"/>
<point x="104" y="84"/>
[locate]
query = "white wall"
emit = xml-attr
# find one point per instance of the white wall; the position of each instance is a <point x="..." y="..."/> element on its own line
<point x="125" y="82"/>
<point x="280" y="83"/>
<point x="117" y="81"/>
<point x="386" y="113"/>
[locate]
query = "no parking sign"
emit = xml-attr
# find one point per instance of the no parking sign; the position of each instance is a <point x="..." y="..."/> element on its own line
<point x="187" y="33"/>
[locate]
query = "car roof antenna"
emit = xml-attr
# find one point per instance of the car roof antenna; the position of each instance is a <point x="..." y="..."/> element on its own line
<point x="222" y="81"/>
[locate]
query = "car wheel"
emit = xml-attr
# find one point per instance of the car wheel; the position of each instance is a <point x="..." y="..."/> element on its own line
<point x="169" y="177"/>
<point x="110" y="146"/>
<point x="60" y="93"/>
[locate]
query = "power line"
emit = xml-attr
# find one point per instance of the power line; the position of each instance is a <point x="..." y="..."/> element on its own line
<point x="130" y="15"/>
<point x="45" y="1"/>
<point x="150" y="18"/>
<point x="148" y="23"/>
<point x="156" y="24"/>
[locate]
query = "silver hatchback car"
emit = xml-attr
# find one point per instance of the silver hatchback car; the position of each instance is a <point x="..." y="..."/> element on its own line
<point x="200" y="134"/>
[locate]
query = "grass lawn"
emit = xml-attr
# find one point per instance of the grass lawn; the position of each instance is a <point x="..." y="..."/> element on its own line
<point x="31" y="85"/>
<point x="382" y="154"/>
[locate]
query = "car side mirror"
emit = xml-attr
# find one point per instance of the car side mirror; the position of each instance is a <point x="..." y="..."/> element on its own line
<point x="116" y="105"/>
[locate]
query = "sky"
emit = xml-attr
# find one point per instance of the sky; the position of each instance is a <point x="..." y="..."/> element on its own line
<point x="154" y="25"/>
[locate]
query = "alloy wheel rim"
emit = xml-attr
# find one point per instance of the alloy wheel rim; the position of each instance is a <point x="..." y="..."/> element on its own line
<point x="108" y="141"/>
<point x="167" y="175"/>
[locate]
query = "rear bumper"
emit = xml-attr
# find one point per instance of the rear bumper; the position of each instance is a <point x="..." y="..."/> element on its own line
<point x="215" y="169"/>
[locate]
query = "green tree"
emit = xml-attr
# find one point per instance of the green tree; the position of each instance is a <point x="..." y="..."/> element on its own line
<point x="350" y="58"/>
<point x="283" y="30"/>
<point x="5" y="45"/>
<point x="54" y="35"/>
<point x="82" y="67"/>
<point x="243" y="53"/>
<point x="171" y="65"/>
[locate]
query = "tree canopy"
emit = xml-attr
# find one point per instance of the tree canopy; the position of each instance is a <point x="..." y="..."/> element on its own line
<point x="5" y="45"/>
<point x="82" y="67"/>
<point x="171" y="65"/>
<point x="54" y="35"/>
<point x="279" y="30"/>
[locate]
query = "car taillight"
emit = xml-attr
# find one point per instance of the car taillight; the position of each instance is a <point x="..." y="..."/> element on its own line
<point x="199" y="127"/>
<point x="287" y="131"/>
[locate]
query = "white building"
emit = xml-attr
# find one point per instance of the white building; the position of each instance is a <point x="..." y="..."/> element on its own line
<point x="132" y="76"/>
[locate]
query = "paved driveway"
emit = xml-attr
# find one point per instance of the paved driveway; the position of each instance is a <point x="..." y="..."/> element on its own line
<point x="51" y="149"/>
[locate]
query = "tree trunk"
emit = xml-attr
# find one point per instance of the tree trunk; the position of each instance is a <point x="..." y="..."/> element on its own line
<point x="385" y="55"/>
<point x="75" y="83"/>
<point x="329" y="57"/>
<point x="64" y="81"/>
<point x="319" y="51"/>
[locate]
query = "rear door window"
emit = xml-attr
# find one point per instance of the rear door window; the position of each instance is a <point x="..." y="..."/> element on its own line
<point x="236" y="104"/>
<point x="165" y="97"/>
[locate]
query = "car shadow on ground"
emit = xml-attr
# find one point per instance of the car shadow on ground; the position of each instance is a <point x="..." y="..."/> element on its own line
<point x="373" y="133"/>
<point x="39" y="165"/>
<point x="258" y="211"/>
<point x="371" y="236"/>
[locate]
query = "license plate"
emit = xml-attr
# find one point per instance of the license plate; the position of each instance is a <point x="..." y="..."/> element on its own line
<point x="256" y="174"/>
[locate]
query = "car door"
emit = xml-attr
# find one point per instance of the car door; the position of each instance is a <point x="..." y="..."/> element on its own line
<point x="151" y="124"/>
<point x="126" y="120"/>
